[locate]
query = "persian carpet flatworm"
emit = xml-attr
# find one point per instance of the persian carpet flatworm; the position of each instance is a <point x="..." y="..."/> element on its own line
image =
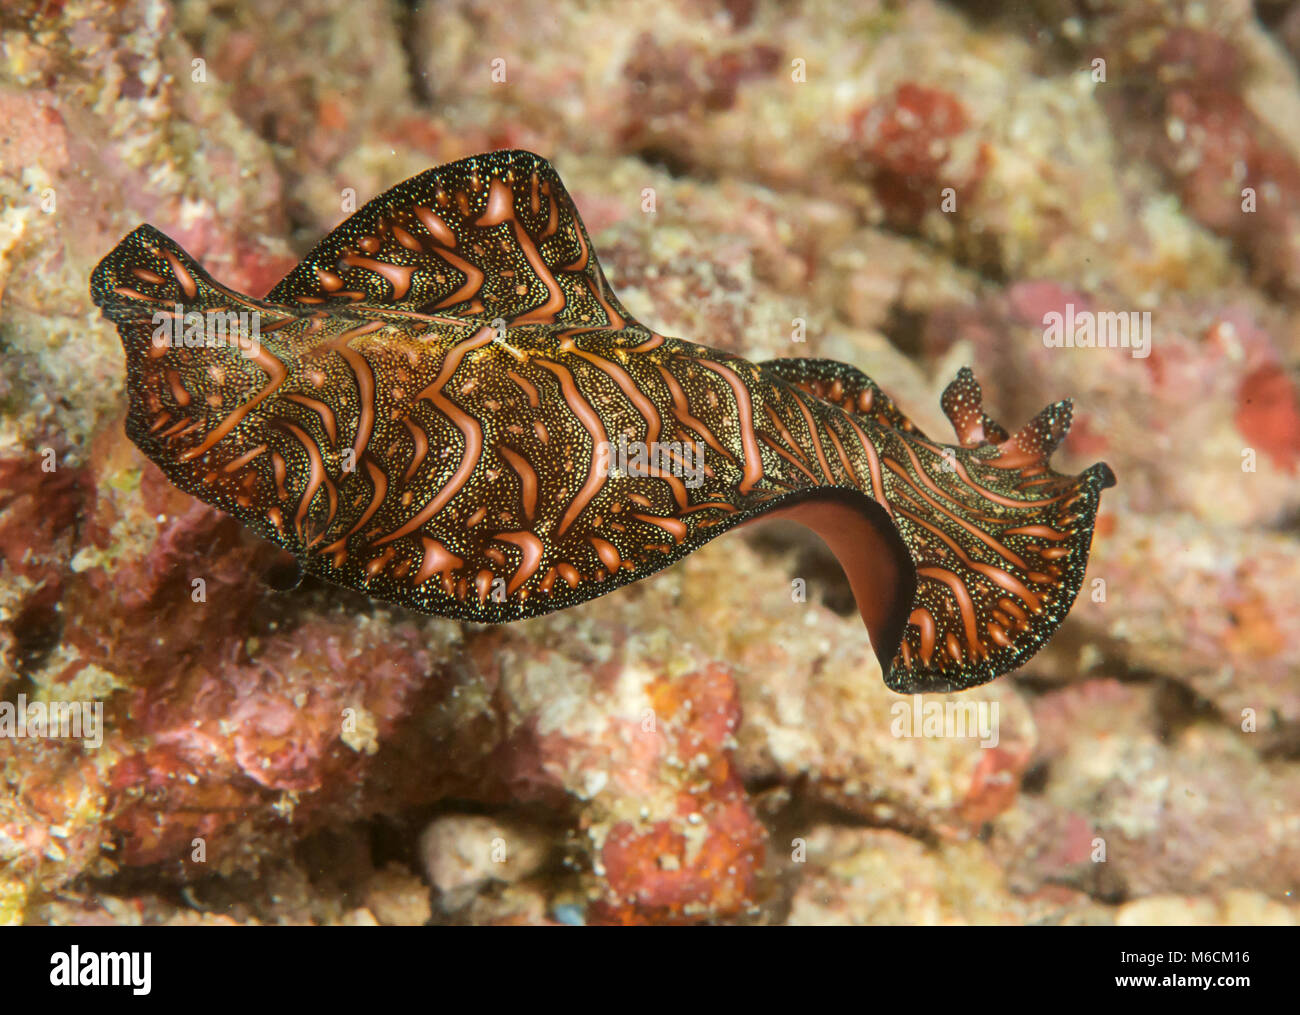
<point x="435" y="407"/>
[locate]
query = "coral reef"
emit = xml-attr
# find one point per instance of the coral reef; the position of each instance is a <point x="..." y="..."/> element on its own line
<point x="770" y="179"/>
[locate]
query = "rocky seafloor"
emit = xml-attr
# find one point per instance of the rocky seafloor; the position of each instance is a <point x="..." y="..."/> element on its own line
<point x="697" y="747"/>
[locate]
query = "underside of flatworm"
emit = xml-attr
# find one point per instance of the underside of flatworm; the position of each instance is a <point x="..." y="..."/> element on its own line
<point x="430" y="409"/>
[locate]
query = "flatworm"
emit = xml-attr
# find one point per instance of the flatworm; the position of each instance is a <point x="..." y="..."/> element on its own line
<point x="427" y="411"/>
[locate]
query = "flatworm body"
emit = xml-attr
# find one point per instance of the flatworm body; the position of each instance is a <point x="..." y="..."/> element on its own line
<point x="431" y="407"/>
